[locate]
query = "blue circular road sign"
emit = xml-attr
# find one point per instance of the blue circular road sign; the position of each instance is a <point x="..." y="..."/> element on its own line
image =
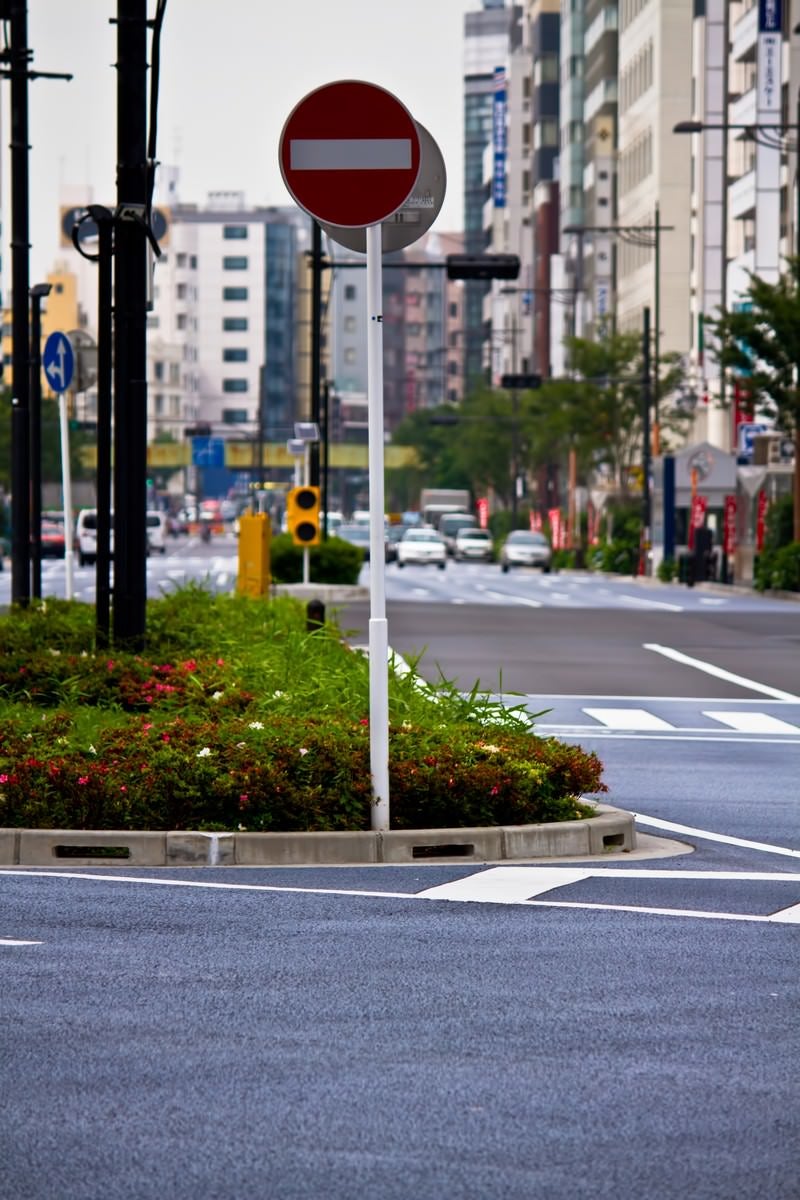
<point x="58" y="361"/>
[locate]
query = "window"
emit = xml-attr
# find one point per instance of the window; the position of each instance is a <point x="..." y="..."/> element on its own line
<point x="234" y="293"/>
<point x="180" y="321"/>
<point x="234" y="416"/>
<point x="234" y="232"/>
<point x="234" y="385"/>
<point x="350" y="325"/>
<point x="234" y="262"/>
<point x="174" y="372"/>
<point x="350" y="355"/>
<point x="180" y="260"/>
<point x="180" y="291"/>
<point x="158" y="369"/>
<point x="234" y="354"/>
<point x="234" y="324"/>
<point x="193" y="262"/>
<point x="349" y="291"/>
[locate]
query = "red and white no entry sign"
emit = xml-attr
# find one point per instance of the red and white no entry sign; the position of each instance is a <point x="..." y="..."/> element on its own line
<point x="350" y="153"/>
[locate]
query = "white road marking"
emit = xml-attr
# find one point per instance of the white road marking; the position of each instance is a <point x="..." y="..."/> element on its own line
<point x="496" y="885"/>
<point x="707" y="835"/>
<point x="719" y="673"/>
<point x="753" y="722"/>
<point x="628" y="718"/>
<point x="17" y="942"/>
<point x="713" y="600"/>
<point x="514" y="599"/>
<point x="651" y="603"/>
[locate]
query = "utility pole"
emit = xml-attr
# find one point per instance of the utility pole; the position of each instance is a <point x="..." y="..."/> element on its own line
<point x="18" y="57"/>
<point x="130" y="337"/>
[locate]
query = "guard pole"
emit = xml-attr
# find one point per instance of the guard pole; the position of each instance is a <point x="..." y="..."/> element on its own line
<point x="378" y="632"/>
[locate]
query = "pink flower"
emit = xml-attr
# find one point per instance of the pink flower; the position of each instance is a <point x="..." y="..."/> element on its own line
<point x="123" y="788"/>
<point x="364" y="721"/>
<point x="494" y="791"/>
<point x="165" y="737"/>
<point x="220" y="662"/>
<point x="83" y="779"/>
<point x="3" y="779"/>
<point x="146" y="726"/>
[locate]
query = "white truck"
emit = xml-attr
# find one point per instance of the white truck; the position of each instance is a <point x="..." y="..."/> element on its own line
<point x="448" y="510"/>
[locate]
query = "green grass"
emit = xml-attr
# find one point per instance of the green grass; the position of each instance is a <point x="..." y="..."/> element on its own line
<point x="235" y="716"/>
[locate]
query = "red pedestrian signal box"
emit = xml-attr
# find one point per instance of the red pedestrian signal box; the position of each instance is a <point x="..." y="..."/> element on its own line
<point x="349" y="153"/>
<point x="302" y="515"/>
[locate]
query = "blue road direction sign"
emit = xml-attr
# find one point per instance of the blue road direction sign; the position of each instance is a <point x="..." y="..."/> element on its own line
<point x="58" y="361"/>
<point x="208" y="452"/>
<point x="747" y="431"/>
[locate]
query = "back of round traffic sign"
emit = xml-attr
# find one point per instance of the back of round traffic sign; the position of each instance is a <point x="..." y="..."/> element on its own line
<point x="350" y="153"/>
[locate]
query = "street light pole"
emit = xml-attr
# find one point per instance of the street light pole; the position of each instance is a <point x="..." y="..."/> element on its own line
<point x="646" y="401"/>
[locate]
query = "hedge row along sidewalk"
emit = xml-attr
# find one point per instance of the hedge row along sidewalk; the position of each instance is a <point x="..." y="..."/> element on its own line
<point x="236" y="718"/>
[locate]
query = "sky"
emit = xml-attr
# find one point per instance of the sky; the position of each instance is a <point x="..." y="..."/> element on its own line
<point x="231" y="73"/>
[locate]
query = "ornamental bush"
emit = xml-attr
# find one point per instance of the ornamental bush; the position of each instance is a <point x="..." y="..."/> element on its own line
<point x="237" y="717"/>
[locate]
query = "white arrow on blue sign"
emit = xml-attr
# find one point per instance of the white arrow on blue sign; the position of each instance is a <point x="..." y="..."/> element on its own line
<point x="58" y="361"/>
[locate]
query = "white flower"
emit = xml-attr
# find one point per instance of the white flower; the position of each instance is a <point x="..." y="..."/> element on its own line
<point x="277" y="695"/>
<point x="242" y="828"/>
<point x="256" y="725"/>
<point x="204" y="753"/>
<point x="92" y="750"/>
<point x="54" y="652"/>
<point x="302" y="751"/>
<point x="407" y="725"/>
<point x="241" y="745"/>
<point x="217" y="695"/>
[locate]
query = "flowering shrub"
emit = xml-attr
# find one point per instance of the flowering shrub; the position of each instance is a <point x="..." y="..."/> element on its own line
<point x="267" y="732"/>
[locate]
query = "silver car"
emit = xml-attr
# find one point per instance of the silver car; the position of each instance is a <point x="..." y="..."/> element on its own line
<point x="523" y="548"/>
<point x="474" y="545"/>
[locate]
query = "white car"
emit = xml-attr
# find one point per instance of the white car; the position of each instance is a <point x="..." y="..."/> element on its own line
<point x="422" y="546"/>
<point x="157" y="530"/>
<point x="85" y="541"/>
<point x="474" y="545"/>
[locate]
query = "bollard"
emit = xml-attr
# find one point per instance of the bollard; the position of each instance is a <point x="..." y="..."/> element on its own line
<point x="315" y="615"/>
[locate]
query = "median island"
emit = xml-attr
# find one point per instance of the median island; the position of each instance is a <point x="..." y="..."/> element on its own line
<point x="238" y="717"/>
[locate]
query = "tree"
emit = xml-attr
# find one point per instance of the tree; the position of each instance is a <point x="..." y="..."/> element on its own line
<point x="763" y="342"/>
<point x="51" y="443"/>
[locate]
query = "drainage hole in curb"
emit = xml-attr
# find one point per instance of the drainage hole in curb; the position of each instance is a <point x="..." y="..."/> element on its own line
<point x="448" y="850"/>
<point x="91" y="851"/>
<point x="614" y="839"/>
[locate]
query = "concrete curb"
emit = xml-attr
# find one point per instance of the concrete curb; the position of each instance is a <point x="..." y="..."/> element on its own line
<point x="611" y="831"/>
<point x="328" y="593"/>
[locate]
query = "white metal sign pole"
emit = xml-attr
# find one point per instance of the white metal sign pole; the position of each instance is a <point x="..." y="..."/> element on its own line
<point x="378" y="632"/>
<point x="66" y="488"/>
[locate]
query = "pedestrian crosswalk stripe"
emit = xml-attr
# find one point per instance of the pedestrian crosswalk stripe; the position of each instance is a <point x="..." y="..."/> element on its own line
<point x="627" y="718"/>
<point x="753" y="722"/>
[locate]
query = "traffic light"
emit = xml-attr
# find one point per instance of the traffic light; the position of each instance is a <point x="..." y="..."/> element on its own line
<point x="524" y="382"/>
<point x="302" y="512"/>
<point x="482" y="266"/>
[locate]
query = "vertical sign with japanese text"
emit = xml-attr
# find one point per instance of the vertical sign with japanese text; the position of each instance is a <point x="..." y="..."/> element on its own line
<point x="499" y="138"/>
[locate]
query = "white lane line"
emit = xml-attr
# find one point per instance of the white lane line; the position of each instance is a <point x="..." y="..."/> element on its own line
<point x="506" y="596"/>
<point x="493" y="886"/>
<point x="719" y="673"/>
<point x="752" y="722"/>
<point x="707" y="835"/>
<point x="713" y="600"/>
<point x="17" y="942"/>
<point x="628" y="718"/>
<point x="651" y="603"/>
<point x="599" y="734"/>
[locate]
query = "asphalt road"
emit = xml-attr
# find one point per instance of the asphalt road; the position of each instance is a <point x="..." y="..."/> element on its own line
<point x="620" y="1028"/>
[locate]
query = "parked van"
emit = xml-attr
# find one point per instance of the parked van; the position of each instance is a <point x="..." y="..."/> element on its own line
<point x="85" y="541"/>
<point x="157" y="530"/>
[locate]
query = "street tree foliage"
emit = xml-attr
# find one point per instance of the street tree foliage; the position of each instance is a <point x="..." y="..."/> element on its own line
<point x="597" y="414"/>
<point x="763" y="344"/>
<point x="51" y="444"/>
